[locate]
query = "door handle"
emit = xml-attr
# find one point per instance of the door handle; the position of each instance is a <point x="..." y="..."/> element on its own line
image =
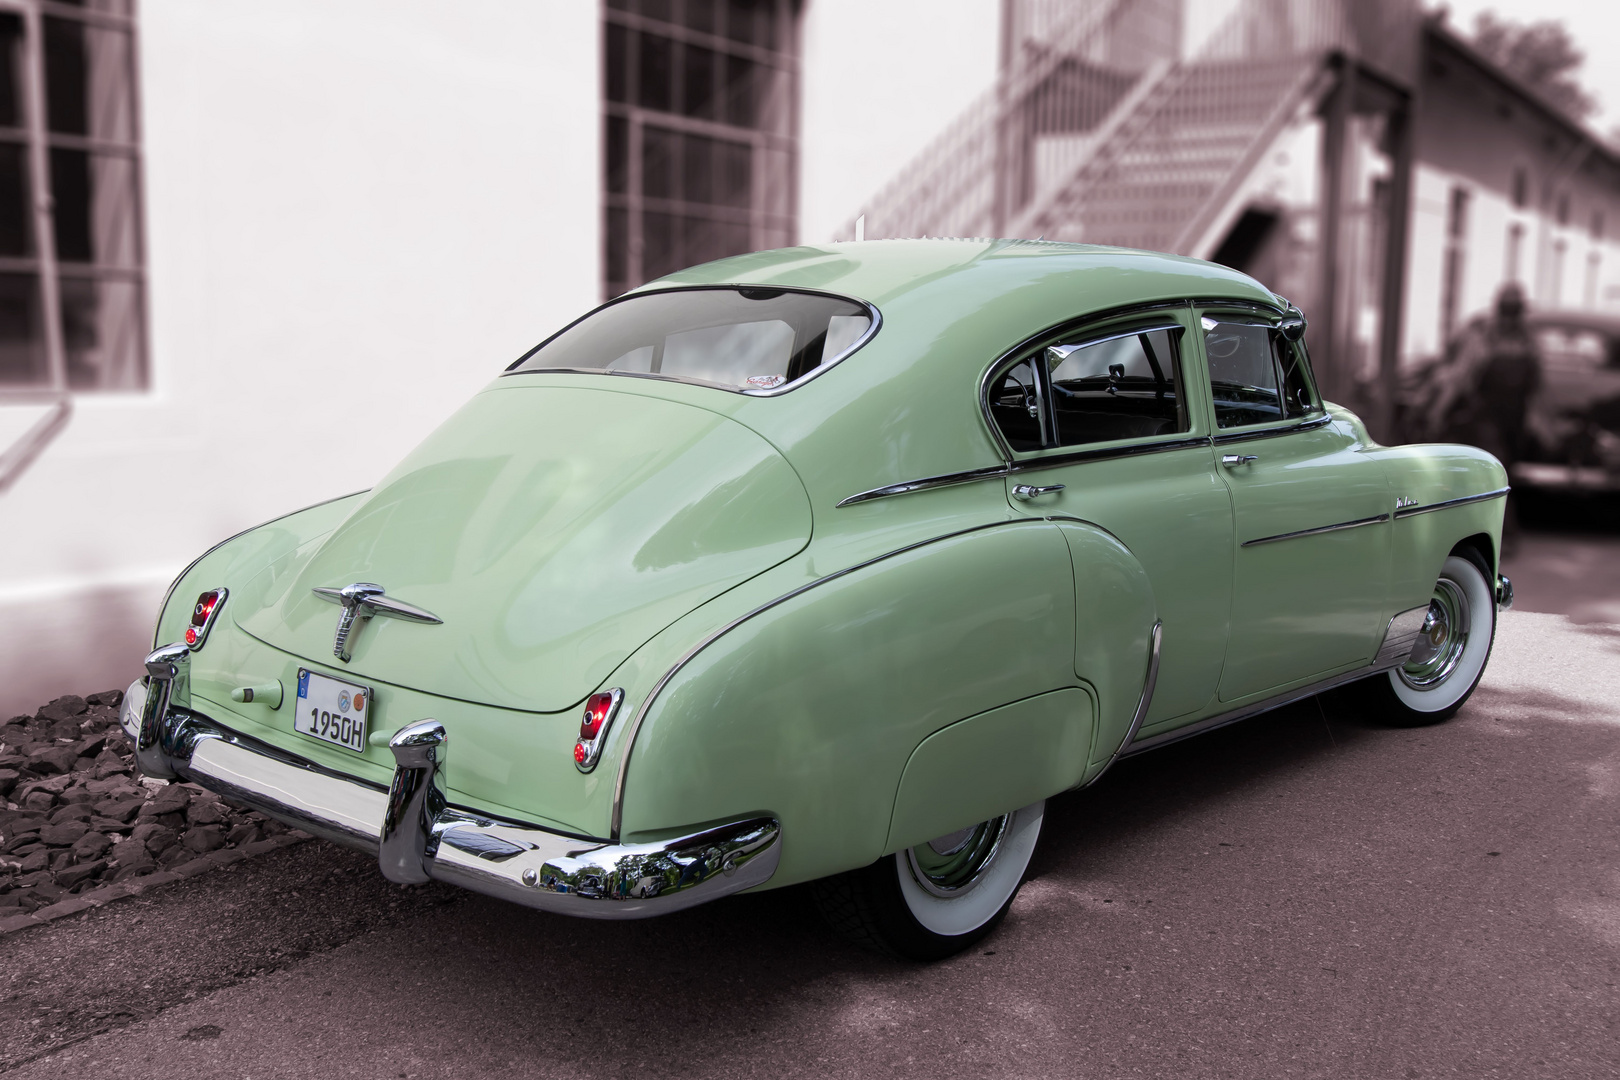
<point x="1232" y="461"/>
<point x="1027" y="492"/>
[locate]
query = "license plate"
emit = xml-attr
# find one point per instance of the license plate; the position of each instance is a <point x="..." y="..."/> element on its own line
<point x="332" y="711"/>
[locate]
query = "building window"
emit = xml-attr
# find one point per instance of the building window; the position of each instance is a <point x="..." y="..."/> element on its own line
<point x="1515" y="242"/>
<point x="72" y="278"/>
<point x="700" y="133"/>
<point x="1521" y="186"/>
<point x="1594" y="265"/>
<point x="1555" y="289"/>
<point x="1455" y="260"/>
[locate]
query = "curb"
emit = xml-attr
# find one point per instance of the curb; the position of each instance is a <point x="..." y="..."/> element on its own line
<point x="96" y="898"/>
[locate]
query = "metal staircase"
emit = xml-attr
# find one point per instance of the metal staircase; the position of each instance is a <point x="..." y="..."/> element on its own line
<point x="1100" y="131"/>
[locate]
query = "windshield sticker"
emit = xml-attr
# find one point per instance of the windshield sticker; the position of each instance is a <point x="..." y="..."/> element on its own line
<point x="765" y="382"/>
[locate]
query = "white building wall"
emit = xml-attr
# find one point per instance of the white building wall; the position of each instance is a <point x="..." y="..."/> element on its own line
<point x="879" y="84"/>
<point x="357" y="213"/>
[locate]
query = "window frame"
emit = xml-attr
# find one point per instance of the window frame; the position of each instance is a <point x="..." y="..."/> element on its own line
<point x="1090" y="330"/>
<point x="775" y="391"/>
<point x="1245" y="315"/>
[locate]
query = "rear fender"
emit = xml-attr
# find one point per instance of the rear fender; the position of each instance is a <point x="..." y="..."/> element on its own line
<point x="810" y="708"/>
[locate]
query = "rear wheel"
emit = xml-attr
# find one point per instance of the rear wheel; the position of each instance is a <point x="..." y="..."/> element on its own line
<point x="940" y="897"/>
<point x="1449" y="658"/>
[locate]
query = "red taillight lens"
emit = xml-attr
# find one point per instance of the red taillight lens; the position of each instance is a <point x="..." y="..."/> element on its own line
<point x="202" y="616"/>
<point x="596" y="714"/>
<point x="205" y="607"/>
<point x="593" y="727"/>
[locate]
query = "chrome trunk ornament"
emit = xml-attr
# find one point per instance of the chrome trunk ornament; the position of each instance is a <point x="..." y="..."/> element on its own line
<point x="362" y="600"/>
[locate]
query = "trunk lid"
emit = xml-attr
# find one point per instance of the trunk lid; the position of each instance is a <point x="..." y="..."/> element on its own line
<point x="554" y="530"/>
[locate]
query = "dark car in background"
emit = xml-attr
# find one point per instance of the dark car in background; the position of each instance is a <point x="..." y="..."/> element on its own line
<point x="1572" y="422"/>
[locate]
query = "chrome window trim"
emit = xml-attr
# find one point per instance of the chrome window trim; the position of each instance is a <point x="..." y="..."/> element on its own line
<point x="1245" y="434"/>
<point x="1318" y="531"/>
<point x="775" y="391"/>
<point x="1104" y="453"/>
<point x="169" y="595"/>
<point x="1429" y="508"/>
<point x="1018" y="353"/>
<point x="634" y="728"/>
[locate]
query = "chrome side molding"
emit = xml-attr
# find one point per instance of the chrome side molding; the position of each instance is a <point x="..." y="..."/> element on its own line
<point x="1149" y="684"/>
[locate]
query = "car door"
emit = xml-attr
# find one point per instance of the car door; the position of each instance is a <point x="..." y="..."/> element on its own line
<point x="1312" y="512"/>
<point x="1098" y="425"/>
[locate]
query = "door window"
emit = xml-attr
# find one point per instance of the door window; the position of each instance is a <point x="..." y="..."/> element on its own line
<point x="1015" y="405"/>
<point x="1120" y="387"/>
<point x="1257" y="375"/>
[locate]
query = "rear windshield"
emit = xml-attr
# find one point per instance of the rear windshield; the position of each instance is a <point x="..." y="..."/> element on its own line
<point x="734" y="338"/>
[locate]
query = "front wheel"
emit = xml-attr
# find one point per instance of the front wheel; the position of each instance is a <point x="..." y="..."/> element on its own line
<point x="940" y="897"/>
<point x="1449" y="658"/>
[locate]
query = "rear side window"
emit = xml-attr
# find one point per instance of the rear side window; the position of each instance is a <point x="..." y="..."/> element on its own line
<point x="1015" y="405"/>
<point x="1121" y="387"/>
<point x="1256" y="375"/>
<point x="735" y="338"/>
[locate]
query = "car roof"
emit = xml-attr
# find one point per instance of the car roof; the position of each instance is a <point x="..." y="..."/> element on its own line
<point x="1053" y="282"/>
<point x="907" y="404"/>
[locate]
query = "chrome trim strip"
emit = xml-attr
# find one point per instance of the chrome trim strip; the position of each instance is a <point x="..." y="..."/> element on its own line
<point x="994" y="472"/>
<point x="1148" y="686"/>
<point x="1356" y="524"/>
<point x="524" y="864"/>
<point x="634" y="728"/>
<point x="1244" y="712"/>
<point x="1429" y="508"/>
<point x="1400" y="636"/>
<point x="192" y="565"/>
<point x="1272" y="433"/>
<point x="860" y="342"/>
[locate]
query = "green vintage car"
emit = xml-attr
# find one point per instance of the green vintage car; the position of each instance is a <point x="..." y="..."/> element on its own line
<point x="825" y="564"/>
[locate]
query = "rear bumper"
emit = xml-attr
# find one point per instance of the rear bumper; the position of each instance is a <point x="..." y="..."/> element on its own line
<point x="417" y="837"/>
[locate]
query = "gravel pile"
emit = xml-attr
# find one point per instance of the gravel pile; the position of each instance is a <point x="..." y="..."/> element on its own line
<point x="77" y="814"/>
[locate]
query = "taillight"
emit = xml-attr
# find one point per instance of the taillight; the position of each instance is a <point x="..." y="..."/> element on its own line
<point x="593" y="727"/>
<point x="202" y="616"/>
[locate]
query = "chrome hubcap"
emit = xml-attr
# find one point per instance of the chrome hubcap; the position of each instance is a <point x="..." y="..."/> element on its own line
<point x="952" y="864"/>
<point x="1441" y="640"/>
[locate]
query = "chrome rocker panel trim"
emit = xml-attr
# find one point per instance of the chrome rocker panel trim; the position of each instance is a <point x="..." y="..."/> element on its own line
<point x="428" y="840"/>
<point x="1402" y="630"/>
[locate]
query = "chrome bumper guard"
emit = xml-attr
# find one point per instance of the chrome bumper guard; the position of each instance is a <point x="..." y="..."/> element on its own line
<point x="1504" y="592"/>
<point x="417" y="837"/>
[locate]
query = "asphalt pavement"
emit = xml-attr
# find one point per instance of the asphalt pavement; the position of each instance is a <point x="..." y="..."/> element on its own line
<point x="1306" y="894"/>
